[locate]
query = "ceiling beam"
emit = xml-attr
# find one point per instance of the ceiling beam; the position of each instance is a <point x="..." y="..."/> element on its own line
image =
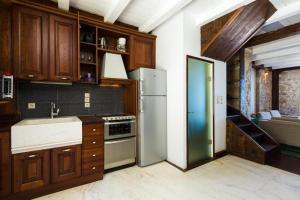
<point x="288" y="58"/>
<point x="285" y="13"/>
<point x="116" y="9"/>
<point x="64" y="4"/>
<point x="275" y="35"/>
<point x="221" y="10"/>
<point x="163" y="14"/>
<point x="277" y="53"/>
<point x="285" y="65"/>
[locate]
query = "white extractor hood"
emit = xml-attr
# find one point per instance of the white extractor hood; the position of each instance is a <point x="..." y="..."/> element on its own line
<point x="113" y="66"/>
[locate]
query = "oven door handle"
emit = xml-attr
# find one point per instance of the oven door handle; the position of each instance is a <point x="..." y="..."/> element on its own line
<point x="124" y="122"/>
<point x="119" y="141"/>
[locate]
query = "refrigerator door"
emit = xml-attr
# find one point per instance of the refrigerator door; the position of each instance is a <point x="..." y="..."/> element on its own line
<point x="152" y="82"/>
<point x="152" y="147"/>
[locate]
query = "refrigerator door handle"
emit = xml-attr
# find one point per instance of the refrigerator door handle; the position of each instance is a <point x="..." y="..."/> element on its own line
<point x="141" y="86"/>
<point x="141" y="105"/>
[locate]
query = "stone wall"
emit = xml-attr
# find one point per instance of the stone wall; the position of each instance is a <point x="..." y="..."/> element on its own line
<point x="289" y="92"/>
<point x="263" y="90"/>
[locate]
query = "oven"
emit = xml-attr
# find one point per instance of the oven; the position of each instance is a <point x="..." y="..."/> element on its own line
<point x="119" y="127"/>
<point x="120" y="141"/>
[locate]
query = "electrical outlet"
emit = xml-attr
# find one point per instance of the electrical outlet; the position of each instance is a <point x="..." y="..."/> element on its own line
<point x="87" y="95"/>
<point x="86" y="100"/>
<point x="87" y="105"/>
<point x="31" y="106"/>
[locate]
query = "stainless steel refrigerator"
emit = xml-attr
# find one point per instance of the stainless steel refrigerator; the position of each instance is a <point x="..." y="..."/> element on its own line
<point x="152" y="115"/>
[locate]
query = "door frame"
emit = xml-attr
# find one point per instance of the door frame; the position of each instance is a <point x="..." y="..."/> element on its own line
<point x="187" y="107"/>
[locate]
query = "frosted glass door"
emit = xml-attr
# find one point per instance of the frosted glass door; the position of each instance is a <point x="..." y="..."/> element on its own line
<point x="200" y="110"/>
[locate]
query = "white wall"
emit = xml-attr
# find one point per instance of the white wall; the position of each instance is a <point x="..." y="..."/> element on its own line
<point x="176" y="38"/>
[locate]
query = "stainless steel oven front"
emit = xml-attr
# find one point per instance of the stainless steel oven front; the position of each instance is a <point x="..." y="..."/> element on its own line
<point x="119" y="127"/>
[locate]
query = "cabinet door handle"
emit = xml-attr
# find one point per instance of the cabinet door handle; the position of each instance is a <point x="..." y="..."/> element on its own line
<point x="32" y="156"/>
<point x="66" y="150"/>
<point x="30" y="76"/>
<point x="94" y="155"/>
<point x="94" y="130"/>
<point x="64" y="78"/>
<point x="94" y="142"/>
<point x="93" y="168"/>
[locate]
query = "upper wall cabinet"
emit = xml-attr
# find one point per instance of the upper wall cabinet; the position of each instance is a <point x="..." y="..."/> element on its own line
<point x="63" y="49"/>
<point x="30" y="43"/>
<point x="142" y="53"/>
<point x="222" y="38"/>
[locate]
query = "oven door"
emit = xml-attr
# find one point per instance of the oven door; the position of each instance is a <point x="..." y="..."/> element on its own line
<point x="119" y="152"/>
<point x="121" y="129"/>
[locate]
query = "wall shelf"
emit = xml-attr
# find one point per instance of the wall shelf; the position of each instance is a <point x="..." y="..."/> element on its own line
<point x="112" y="51"/>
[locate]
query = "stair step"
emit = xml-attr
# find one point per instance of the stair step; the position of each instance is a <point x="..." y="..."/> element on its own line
<point x="243" y="125"/>
<point x="255" y="135"/>
<point x="268" y="147"/>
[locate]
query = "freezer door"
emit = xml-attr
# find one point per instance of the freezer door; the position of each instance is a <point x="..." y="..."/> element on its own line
<point x="152" y="82"/>
<point x="152" y="147"/>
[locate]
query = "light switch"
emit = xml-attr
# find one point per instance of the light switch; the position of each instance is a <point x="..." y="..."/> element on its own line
<point x="87" y="105"/>
<point x="31" y="106"/>
<point x="87" y="95"/>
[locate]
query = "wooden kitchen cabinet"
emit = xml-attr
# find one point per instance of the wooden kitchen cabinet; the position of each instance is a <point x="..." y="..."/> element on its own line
<point x="30" y="43"/>
<point x="142" y="52"/>
<point x="66" y="163"/>
<point x="63" y="49"/>
<point x="5" y="164"/>
<point x="31" y="170"/>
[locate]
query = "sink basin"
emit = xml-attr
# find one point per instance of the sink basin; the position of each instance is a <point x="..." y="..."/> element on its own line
<point x="38" y="134"/>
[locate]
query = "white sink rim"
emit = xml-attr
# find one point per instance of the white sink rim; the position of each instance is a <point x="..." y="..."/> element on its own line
<point x="47" y="121"/>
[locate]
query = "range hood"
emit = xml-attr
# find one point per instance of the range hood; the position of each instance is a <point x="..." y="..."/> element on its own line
<point x="113" y="67"/>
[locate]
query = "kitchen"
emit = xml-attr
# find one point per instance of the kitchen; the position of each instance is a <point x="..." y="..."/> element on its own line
<point x="75" y="103"/>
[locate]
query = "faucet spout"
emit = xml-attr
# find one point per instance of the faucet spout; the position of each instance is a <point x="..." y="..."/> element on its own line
<point x="54" y="113"/>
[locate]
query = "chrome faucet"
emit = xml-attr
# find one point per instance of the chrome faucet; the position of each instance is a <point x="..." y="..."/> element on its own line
<point x="53" y="107"/>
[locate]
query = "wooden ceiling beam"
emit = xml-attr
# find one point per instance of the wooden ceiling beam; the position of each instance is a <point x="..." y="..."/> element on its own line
<point x="287" y="31"/>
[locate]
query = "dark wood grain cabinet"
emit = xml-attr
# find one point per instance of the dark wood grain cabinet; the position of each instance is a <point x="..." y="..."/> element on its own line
<point x="5" y="164"/>
<point x="142" y="52"/>
<point x="31" y="170"/>
<point x="30" y="43"/>
<point x="63" y="49"/>
<point x="66" y="163"/>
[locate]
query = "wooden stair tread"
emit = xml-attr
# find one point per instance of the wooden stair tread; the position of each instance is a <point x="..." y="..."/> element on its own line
<point x="255" y="135"/>
<point x="243" y="125"/>
<point x="269" y="147"/>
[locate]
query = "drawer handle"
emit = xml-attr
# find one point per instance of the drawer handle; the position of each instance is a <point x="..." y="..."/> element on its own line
<point x="64" y="78"/>
<point x="30" y="76"/>
<point x="32" y="156"/>
<point x="94" y="130"/>
<point x="93" y="168"/>
<point x="94" y="155"/>
<point x="66" y="150"/>
<point x="94" y="142"/>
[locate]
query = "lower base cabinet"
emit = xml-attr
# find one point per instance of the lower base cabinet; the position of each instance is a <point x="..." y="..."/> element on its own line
<point x="31" y="170"/>
<point x="5" y="164"/>
<point x="66" y="163"/>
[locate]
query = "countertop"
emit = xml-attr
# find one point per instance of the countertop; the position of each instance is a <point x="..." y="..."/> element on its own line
<point x="90" y="119"/>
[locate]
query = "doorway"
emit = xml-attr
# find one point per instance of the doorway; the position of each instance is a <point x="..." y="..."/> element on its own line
<point x="200" y="111"/>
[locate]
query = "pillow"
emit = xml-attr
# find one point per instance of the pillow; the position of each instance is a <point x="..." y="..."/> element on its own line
<point x="275" y="113"/>
<point x="265" y="116"/>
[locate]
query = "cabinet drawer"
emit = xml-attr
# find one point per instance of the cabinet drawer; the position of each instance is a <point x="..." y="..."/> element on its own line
<point x="92" y="129"/>
<point x="93" y="142"/>
<point x="91" y="155"/>
<point x="93" y="168"/>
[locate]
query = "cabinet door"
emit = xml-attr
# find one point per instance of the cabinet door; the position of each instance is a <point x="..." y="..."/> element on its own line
<point x="142" y="53"/>
<point x="63" y="49"/>
<point x="30" y="43"/>
<point x="31" y="170"/>
<point x="5" y="166"/>
<point x="66" y="163"/>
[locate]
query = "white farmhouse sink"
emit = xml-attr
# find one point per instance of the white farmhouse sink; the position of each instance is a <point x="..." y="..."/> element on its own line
<point x="38" y="134"/>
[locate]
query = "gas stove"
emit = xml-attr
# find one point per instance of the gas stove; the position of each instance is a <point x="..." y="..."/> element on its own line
<point x="118" y="118"/>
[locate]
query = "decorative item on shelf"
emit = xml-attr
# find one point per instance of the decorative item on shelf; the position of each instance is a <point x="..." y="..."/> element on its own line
<point x="89" y="78"/>
<point x="121" y="45"/>
<point x="82" y="56"/>
<point x="89" y="37"/>
<point x="102" y="42"/>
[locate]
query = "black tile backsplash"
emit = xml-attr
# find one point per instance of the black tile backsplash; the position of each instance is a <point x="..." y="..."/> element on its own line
<point x="69" y="98"/>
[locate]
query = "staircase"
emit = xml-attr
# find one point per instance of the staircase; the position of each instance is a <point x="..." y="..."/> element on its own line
<point x="247" y="140"/>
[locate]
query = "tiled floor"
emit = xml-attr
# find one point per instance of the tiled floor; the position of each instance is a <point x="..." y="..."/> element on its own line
<point x="229" y="178"/>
